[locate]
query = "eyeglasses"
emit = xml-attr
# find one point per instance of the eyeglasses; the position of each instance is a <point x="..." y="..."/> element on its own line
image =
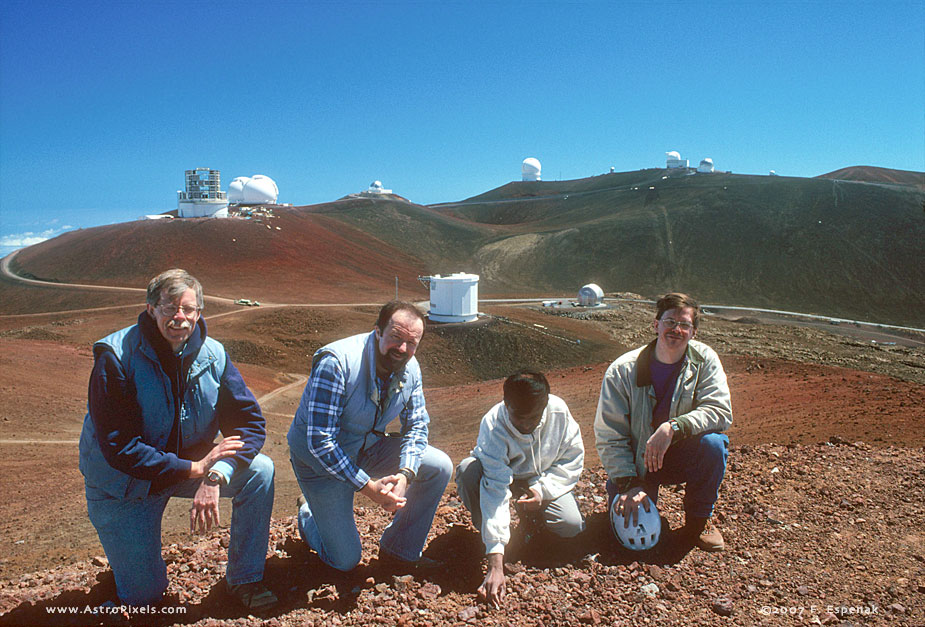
<point x="171" y="310"/>
<point x="674" y="324"/>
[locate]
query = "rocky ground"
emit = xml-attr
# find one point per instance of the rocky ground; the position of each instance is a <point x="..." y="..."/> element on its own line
<point x="828" y="533"/>
<point x="820" y="528"/>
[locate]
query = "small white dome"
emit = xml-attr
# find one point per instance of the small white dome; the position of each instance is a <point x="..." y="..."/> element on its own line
<point x="531" y="169"/>
<point x="590" y="295"/>
<point x="674" y="154"/>
<point x="376" y="185"/>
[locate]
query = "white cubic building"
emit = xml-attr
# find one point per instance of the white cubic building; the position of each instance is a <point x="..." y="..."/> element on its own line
<point x="531" y="169"/>
<point x="253" y="190"/>
<point x="203" y="197"/>
<point x="591" y="295"/>
<point x="706" y="166"/>
<point x="674" y="160"/>
<point x="453" y="298"/>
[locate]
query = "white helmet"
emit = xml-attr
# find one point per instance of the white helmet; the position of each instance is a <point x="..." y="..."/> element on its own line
<point x="639" y="537"/>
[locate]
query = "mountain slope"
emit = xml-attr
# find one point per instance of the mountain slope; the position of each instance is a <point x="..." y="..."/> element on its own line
<point x="834" y="247"/>
<point x="873" y="174"/>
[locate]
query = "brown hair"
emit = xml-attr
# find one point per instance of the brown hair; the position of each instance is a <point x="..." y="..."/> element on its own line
<point x="677" y="300"/>
<point x="390" y="308"/>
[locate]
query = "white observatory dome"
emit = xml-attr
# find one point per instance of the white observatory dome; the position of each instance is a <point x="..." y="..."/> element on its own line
<point x="531" y="169"/>
<point x="260" y="190"/>
<point x="590" y="295"/>
<point x="236" y="190"/>
<point x="253" y="190"/>
<point x="706" y="165"/>
<point x="674" y="160"/>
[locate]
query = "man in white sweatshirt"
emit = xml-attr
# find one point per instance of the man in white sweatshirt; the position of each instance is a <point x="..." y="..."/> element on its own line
<point x="528" y="444"/>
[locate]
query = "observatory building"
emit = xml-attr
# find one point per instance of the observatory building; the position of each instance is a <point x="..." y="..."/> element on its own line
<point x="591" y="295"/>
<point x="376" y="189"/>
<point x="453" y="298"/>
<point x="675" y="161"/>
<point x="530" y="170"/>
<point x="706" y="166"/>
<point x="253" y="190"/>
<point x="203" y="197"/>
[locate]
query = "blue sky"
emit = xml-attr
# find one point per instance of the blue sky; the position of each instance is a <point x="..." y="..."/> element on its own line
<point x="103" y="105"/>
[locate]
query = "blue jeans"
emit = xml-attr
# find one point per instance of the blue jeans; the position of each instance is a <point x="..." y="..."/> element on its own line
<point x="700" y="462"/>
<point x="326" y="521"/>
<point x="130" y="531"/>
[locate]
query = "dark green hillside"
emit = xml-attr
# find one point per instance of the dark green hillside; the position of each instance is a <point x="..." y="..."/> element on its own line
<point x="820" y="246"/>
<point x="445" y="243"/>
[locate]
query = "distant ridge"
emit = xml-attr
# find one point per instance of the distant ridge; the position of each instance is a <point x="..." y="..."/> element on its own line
<point x="813" y="245"/>
<point x="873" y="174"/>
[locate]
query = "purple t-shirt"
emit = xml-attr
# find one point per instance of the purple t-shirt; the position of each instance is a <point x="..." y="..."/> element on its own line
<point x="664" y="379"/>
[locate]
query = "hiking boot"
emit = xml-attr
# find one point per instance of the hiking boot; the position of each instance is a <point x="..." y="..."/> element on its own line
<point x="254" y="596"/>
<point x="701" y="533"/>
<point x="397" y="564"/>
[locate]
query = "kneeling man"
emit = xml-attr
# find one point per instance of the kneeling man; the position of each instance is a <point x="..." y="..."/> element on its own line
<point x="528" y="444"/>
<point x="338" y="444"/>
<point x="660" y="419"/>
<point x="160" y="391"/>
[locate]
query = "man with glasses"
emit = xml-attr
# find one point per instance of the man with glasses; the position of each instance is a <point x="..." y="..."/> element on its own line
<point x="339" y="445"/>
<point x="660" y="419"/>
<point x="159" y="393"/>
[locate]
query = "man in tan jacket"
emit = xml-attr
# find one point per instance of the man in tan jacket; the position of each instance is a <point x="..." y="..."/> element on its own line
<point x="660" y="419"/>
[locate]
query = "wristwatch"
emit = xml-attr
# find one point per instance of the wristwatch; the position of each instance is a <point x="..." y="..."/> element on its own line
<point x="674" y="425"/>
<point x="409" y="474"/>
<point x="215" y="478"/>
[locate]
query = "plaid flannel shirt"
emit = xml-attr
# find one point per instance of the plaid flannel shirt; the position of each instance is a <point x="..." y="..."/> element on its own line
<point x="324" y="406"/>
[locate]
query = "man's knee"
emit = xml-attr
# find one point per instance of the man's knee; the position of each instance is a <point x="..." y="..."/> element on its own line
<point x="436" y="466"/>
<point x="714" y="449"/>
<point x="468" y="472"/>
<point x="563" y="518"/>
<point x="263" y="469"/>
<point x="567" y="527"/>
<point x="344" y="562"/>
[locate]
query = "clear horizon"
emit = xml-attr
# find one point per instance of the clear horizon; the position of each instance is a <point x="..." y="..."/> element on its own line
<point x="104" y="105"/>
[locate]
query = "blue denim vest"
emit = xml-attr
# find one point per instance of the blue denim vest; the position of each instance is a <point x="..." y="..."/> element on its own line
<point x="365" y="415"/>
<point x="152" y="388"/>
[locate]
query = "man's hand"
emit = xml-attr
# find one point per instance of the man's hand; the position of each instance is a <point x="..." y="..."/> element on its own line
<point x="656" y="446"/>
<point x="532" y="501"/>
<point x="204" y="512"/>
<point x="493" y="588"/>
<point x="389" y="491"/>
<point x="226" y="448"/>
<point x="627" y="505"/>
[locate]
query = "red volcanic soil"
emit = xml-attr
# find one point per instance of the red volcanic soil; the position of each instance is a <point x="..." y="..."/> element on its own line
<point x="297" y="256"/>
<point x="873" y="174"/>
<point x="812" y="521"/>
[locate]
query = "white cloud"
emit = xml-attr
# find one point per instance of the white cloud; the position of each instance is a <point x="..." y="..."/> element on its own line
<point x="18" y="240"/>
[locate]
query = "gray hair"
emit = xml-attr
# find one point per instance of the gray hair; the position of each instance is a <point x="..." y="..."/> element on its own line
<point x="172" y="284"/>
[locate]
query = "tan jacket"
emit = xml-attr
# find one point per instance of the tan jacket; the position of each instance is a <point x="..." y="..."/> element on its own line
<point x="623" y="422"/>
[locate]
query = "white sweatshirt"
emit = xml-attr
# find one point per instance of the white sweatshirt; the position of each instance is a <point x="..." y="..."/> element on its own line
<point x="551" y="457"/>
